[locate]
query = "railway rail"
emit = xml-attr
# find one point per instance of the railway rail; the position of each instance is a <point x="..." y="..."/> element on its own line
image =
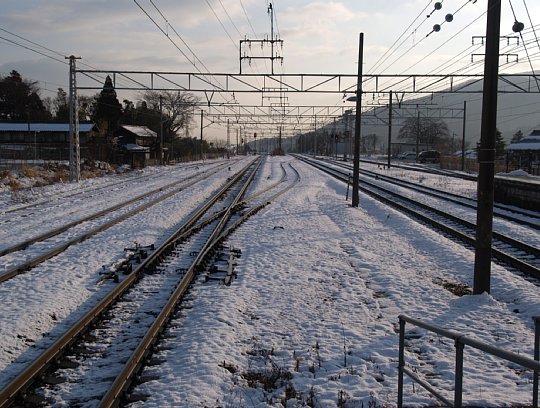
<point x="72" y="233"/>
<point x="78" y="193"/>
<point x="425" y="169"/>
<point x="517" y="254"/>
<point x="128" y="320"/>
<point x="514" y="214"/>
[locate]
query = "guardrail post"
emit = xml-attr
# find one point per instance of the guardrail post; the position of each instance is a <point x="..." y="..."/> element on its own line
<point x="458" y="382"/>
<point x="537" y="358"/>
<point x="401" y="363"/>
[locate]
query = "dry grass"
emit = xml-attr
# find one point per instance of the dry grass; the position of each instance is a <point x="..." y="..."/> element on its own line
<point x="50" y="173"/>
<point x="14" y="184"/>
<point x="29" y="171"/>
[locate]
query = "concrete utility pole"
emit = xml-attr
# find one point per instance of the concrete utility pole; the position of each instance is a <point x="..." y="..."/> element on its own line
<point x="417" y="133"/>
<point x="463" y="136"/>
<point x="161" y="161"/>
<point x="358" y="124"/>
<point x="486" y="152"/>
<point x="202" y="113"/>
<point x="389" y="129"/>
<point x="316" y="147"/>
<point x="74" y="146"/>
<point x="228" y="139"/>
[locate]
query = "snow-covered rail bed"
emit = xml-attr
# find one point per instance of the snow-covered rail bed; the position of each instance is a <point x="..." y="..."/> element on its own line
<point x="135" y="285"/>
<point x="124" y="324"/>
<point x="41" y="246"/>
<point x="38" y="306"/>
<point x="523" y="255"/>
<point x="433" y="188"/>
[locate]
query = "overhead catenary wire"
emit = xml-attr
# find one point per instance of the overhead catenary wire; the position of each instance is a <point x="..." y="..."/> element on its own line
<point x="532" y="25"/>
<point x="524" y="44"/>
<point x="221" y="23"/>
<point x="383" y="58"/>
<point x="252" y="29"/>
<point x="45" y="51"/>
<point x="166" y="33"/>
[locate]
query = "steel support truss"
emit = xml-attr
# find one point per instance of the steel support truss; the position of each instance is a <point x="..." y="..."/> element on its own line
<point x="305" y="83"/>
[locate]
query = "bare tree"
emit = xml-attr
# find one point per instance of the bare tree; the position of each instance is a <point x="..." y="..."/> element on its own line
<point x="427" y="131"/>
<point x="177" y="107"/>
<point x="369" y="142"/>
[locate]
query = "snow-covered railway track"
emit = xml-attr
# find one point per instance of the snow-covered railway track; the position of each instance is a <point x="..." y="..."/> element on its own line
<point x="31" y="252"/>
<point x="53" y="200"/>
<point x="513" y="214"/>
<point x="517" y="254"/>
<point x="17" y="212"/>
<point x="118" y="336"/>
<point x="448" y="173"/>
<point x="134" y="301"/>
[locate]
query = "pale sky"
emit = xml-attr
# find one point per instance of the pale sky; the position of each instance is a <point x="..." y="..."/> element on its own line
<point x="319" y="37"/>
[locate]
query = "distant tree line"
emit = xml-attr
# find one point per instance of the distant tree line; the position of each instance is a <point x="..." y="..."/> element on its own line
<point x="170" y="111"/>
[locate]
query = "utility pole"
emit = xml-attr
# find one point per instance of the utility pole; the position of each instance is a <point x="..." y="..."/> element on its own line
<point x="463" y="136"/>
<point x="228" y="139"/>
<point x="335" y="135"/>
<point x="315" y="151"/>
<point x="389" y="129"/>
<point x="202" y="113"/>
<point x="161" y="129"/>
<point x="417" y="132"/>
<point x="74" y="146"/>
<point x="486" y="152"/>
<point x="358" y="124"/>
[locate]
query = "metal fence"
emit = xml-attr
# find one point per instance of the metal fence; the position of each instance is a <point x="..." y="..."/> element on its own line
<point x="461" y="340"/>
<point x="16" y="155"/>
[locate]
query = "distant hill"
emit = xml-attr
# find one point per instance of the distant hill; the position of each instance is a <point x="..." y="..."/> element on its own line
<point x="516" y="111"/>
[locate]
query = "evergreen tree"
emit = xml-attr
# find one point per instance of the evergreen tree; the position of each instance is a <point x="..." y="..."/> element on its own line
<point x="20" y="101"/>
<point x="517" y="137"/>
<point x="141" y="115"/>
<point x="500" y="143"/>
<point x="108" y="110"/>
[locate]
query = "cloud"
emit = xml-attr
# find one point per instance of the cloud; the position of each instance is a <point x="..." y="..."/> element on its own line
<point x="322" y="22"/>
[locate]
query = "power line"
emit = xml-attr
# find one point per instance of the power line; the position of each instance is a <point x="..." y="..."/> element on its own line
<point x="519" y="29"/>
<point x="180" y="37"/>
<point x="37" y="51"/>
<point x="221" y="23"/>
<point x="252" y="30"/>
<point x="220" y="87"/>
<point x="230" y="19"/>
<point x="382" y="59"/>
<point x="532" y="25"/>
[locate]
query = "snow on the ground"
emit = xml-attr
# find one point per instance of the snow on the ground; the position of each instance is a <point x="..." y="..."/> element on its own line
<point x="315" y="308"/>
<point x="54" y="294"/>
<point x="312" y="318"/>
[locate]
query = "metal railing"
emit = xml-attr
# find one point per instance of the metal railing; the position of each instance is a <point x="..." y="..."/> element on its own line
<point x="460" y="341"/>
